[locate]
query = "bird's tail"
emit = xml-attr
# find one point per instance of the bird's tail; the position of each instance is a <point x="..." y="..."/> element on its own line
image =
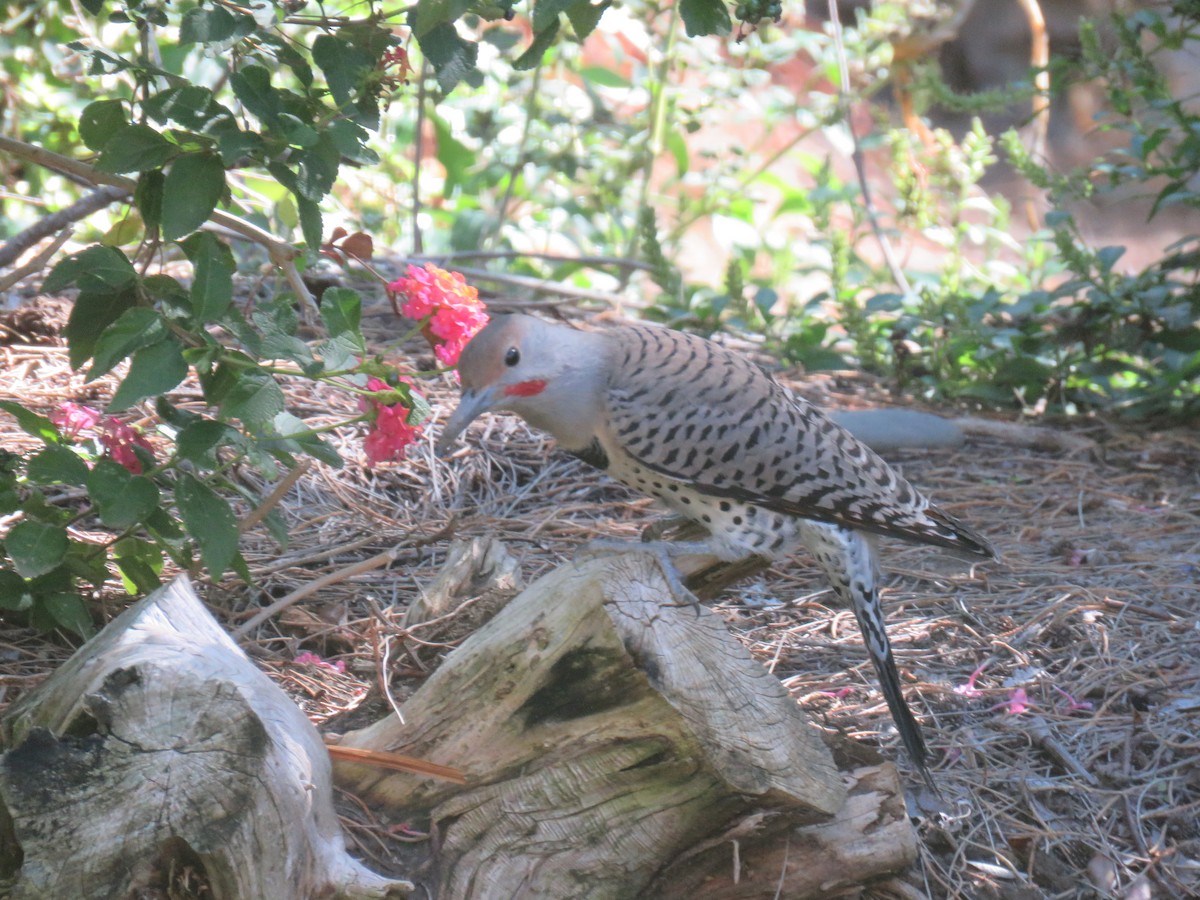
<point x="950" y="532"/>
<point x="848" y="559"/>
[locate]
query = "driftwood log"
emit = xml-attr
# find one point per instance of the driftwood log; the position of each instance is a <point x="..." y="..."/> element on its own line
<point x="618" y="744"/>
<point x="159" y="752"/>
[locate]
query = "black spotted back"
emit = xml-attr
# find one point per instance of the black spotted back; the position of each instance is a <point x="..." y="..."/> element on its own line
<point x="694" y="411"/>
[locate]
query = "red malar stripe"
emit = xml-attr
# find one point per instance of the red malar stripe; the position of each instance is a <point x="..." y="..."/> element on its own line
<point x="525" y="389"/>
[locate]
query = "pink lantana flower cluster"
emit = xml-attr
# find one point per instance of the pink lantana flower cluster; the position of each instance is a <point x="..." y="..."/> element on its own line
<point x="452" y="306"/>
<point x="75" y="420"/>
<point x="390" y="434"/>
<point x="311" y="659"/>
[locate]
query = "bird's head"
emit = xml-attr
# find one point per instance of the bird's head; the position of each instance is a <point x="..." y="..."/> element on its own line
<point x="547" y="374"/>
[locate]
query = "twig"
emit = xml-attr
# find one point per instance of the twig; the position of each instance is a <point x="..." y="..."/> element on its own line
<point x="1039" y="730"/>
<point x="12" y="249"/>
<point x="538" y="285"/>
<point x="272" y="500"/>
<point x="530" y="113"/>
<point x="398" y="761"/>
<point x="654" y="141"/>
<point x="860" y="165"/>
<point x="365" y="565"/>
<point x="618" y="261"/>
<point x="1039" y="61"/>
<point x="418" y="245"/>
<point x="38" y="263"/>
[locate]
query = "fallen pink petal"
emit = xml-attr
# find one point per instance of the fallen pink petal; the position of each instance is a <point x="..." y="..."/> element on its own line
<point x="969" y="689"/>
<point x="1072" y="703"/>
<point x="309" y="658"/>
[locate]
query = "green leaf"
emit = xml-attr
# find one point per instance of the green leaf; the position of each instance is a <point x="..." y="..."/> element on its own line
<point x="456" y="157"/>
<point x="190" y="105"/>
<point x="584" y="18"/>
<point x="100" y="120"/>
<point x="452" y="57"/>
<point x="14" y="592"/>
<point x="252" y="86"/>
<point x="210" y="521"/>
<point x="148" y="197"/>
<point x="297" y="132"/>
<point x="345" y="65"/>
<point x="317" y="170"/>
<point x="122" y="498"/>
<point x="678" y="147"/>
<point x="68" y="611"/>
<point x="255" y="398"/>
<point x="36" y="547"/>
<point x="235" y="145"/>
<point x="31" y="423"/>
<point x="134" y="329"/>
<point x="299" y="437"/>
<point x="212" y="282"/>
<point x="193" y="186"/>
<point x="197" y="441"/>
<point x="434" y="13"/>
<point x="98" y="268"/>
<point x="154" y="370"/>
<point x="310" y="221"/>
<point x="140" y="563"/>
<point x="536" y="50"/>
<point x="92" y="313"/>
<point x="603" y="77"/>
<point x="206" y="25"/>
<point x="702" y="17"/>
<point x="341" y="311"/>
<point x="56" y="465"/>
<point x="135" y="149"/>
<point x="351" y="139"/>
<point x="546" y="12"/>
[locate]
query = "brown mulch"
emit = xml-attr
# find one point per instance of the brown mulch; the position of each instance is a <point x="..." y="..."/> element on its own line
<point x="1072" y="759"/>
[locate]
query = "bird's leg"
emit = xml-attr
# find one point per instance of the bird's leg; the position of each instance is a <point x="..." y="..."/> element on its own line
<point x="848" y="559"/>
<point x="684" y="528"/>
<point x="663" y="551"/>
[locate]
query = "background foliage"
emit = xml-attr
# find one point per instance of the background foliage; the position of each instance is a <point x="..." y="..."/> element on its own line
<point x="584" y="144"/>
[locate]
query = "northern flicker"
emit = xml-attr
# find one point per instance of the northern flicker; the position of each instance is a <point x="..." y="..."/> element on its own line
<point x="721" y="443"/>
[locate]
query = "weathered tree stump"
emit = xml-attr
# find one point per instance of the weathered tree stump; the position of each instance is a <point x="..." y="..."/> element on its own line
<point x="606" y="733"/>
<point x="159" y="750"/>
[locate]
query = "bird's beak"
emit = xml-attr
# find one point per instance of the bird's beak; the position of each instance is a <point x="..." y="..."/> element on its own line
<point x="472" y="406"/>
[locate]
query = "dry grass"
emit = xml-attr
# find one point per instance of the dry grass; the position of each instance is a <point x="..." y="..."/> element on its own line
<point x="1092" y="612"/>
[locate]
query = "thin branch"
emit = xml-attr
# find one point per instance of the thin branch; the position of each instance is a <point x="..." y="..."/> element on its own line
<point x="530" y="114"/>
<point x="418" y="244"/>
<point x="80" y="209"/>
<point x="533" y="254"/>
<point x="38" y="263"/>
<point x="366" y="565"/>
<point x="1039" y="61"/>
<point x="860" y="165"/>
<point x="264" y="508"/>
<point x="536" y="284"/>
<point x="654" y="140"/>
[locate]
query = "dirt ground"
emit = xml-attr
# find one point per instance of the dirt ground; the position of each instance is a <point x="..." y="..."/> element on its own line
<point x="1059" y="687"/>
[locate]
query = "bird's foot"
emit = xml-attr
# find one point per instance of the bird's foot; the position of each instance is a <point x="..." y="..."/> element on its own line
<point x="680" y="528"/>
<point x="662" y="551"/>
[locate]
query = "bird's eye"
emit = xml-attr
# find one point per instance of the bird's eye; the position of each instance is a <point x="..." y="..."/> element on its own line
<point x="512" y="357"/>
